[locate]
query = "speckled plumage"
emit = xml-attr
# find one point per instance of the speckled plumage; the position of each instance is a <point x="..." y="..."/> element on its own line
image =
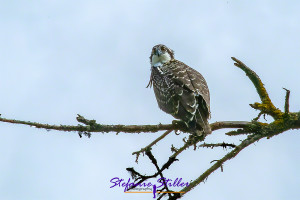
<point x="182" y="92"/>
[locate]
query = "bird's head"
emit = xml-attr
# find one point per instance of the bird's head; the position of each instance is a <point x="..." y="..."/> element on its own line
<point x="161" y="54"/>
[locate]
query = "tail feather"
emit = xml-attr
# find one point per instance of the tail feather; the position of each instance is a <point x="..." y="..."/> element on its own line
<point x="200" y="125"/>
<point x="202" y="121"/>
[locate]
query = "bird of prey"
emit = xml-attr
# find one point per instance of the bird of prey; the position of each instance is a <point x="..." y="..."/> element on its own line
<point x="180" y="90"/>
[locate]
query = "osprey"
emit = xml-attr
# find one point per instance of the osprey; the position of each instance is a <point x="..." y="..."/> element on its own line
<point x="180" y="90"/>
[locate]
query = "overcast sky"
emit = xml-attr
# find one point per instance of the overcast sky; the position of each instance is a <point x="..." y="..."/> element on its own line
<point x="62" y="58"/>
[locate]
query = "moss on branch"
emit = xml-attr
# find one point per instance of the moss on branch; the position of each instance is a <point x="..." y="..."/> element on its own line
<point x="266" y="104"/>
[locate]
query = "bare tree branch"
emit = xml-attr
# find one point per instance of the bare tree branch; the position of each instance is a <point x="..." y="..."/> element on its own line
<point x="154" y="161"/>
<point x="92" y="126"/>
<point x="148" y="147"/>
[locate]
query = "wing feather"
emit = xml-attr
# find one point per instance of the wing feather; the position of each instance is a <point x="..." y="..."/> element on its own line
<point x="194" y="83"/>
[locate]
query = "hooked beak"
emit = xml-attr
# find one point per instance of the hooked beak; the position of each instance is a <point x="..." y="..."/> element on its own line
<point x="158" y="52"/>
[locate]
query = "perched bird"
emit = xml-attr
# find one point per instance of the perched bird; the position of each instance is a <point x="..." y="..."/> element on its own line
<point x="180" y="90"/>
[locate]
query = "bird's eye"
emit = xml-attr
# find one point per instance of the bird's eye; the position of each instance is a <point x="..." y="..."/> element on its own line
<point x="163" y="48"/>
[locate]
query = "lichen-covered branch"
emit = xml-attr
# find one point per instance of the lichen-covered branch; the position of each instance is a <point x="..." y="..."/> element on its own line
<point x="92" y="126"/>
<point x="266" y="104"/>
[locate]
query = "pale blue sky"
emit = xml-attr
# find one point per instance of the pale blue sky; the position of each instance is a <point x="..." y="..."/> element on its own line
<point x="60" y="58"/>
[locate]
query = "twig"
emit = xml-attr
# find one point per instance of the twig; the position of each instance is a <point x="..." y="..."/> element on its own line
<point x="238" y="132"/>
<point x="258" y="116"/>
<point x="224" y="145"/>
<point x="173" y="149"/>
<point x="220" y="166"/>
<point x="143" y="178"/>
<point x="287" y="100"/>
<point x="148" y="147"/>
<point x="154" y="161"/>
